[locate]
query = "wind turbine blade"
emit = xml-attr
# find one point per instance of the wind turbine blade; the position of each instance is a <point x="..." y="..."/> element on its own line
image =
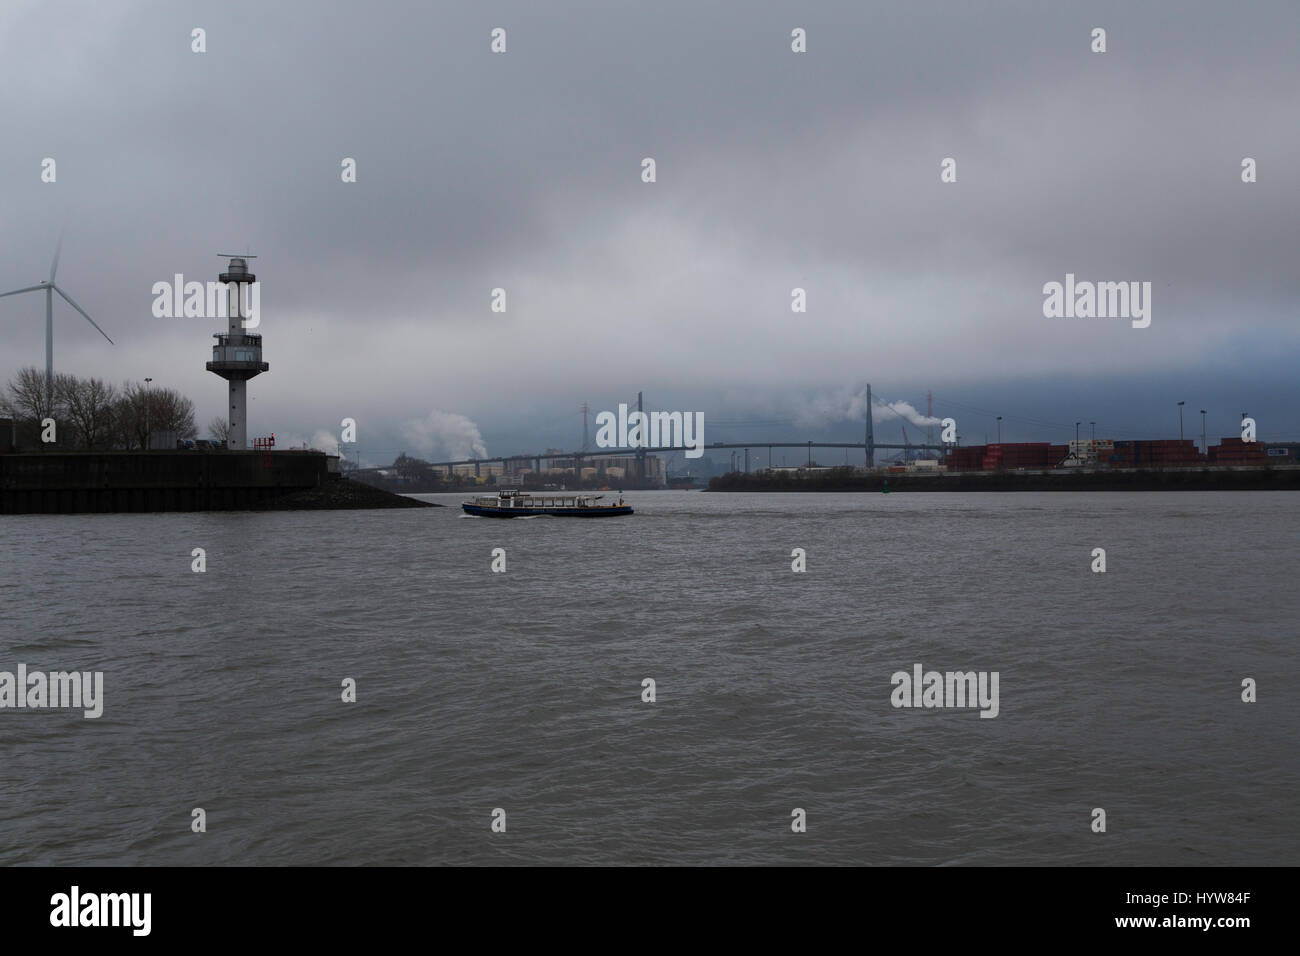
<point x="83" y="313"/>
<point x="30" y="288"/>
<point x="54" y="266"/>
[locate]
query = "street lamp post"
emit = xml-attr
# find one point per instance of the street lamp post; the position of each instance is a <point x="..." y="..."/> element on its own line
<point x="1180" y="420"/>
<point x="999" y="429"/>
<point x="1205" y="444"/>
<point x="147" y="403"/>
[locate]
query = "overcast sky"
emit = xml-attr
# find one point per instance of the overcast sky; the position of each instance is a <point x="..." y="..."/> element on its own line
<point x="775" y="170"/>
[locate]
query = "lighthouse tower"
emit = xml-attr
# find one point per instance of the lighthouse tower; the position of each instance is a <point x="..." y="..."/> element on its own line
<point x="237" y="356"/>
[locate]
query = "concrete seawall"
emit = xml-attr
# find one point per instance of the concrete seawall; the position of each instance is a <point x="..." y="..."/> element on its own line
<point x="70" y="482"/>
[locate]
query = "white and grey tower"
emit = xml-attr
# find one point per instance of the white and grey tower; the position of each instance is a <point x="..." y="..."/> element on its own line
<point x="237" y="356"/>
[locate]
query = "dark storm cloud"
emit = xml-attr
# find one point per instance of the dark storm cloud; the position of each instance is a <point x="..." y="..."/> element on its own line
<point x="775" y="170"/>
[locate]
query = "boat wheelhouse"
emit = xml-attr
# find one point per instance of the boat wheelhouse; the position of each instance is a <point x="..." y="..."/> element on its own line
<point x="518" y="504"/>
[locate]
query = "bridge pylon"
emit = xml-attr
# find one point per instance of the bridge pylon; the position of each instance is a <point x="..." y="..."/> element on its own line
<point x="870" y="438"/>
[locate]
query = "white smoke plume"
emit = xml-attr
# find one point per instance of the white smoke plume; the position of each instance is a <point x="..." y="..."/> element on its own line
<point x="445" y="436"/>
<point x="902" y="410"/>
<point x="327" y="443"/>
<point x="321" y="440"/>
<point x="844" y="404"/>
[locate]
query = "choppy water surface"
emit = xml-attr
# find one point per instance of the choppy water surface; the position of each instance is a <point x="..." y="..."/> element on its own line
<point x="522" y="690"/>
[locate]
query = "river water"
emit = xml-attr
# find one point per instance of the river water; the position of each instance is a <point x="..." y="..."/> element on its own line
<point x="523" y="690"/>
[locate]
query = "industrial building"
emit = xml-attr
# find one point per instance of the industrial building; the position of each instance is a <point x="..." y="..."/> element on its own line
<point x="561" y="465"/>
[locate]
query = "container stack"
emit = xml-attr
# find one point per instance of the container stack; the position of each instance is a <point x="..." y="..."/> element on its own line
<point x="967" y="458"/>
<point x="1157" y="453"/>
<point x="1092" y="451"/>
<point x="1036" y="455"/>
<point x="1161" y="453"/>
<point x="1008" y="456"/>
<point x="1234" y="451"/>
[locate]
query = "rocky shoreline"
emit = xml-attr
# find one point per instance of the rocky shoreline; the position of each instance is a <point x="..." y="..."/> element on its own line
<point x="341" y="495"/>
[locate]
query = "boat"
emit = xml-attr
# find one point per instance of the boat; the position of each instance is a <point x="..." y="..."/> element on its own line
<point x="522" y="504"/>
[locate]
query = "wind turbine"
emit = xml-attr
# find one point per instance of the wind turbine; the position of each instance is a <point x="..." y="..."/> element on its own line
<point x="50" y="288"/>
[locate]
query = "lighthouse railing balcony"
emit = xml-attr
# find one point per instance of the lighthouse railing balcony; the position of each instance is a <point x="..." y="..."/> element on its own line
<point x="237" y="353"/>
<point x="250" y="339"/>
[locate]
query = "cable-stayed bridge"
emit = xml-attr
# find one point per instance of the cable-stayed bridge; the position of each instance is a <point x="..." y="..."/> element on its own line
<point x="577" y="456"/>
<point x="574" y="459"/>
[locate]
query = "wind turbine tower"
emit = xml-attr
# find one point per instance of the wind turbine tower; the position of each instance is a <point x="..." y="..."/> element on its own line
<point x="50" y="288"/>
<point x="237" y="356"/>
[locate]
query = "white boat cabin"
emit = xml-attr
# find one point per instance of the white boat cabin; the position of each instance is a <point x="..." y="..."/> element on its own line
<point x="515" y="499"/>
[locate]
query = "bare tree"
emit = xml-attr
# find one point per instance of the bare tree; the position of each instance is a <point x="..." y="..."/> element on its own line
<point x="89" y="404"/>
<point x="132" y="416"/>
<point x="91" y="413"/>
<point x="219" y="429"/>
<point x="142" y="410"/>
<point x="25" y="401"/>
<point x="26" y="395"/>
<point x="171" y="411"/>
